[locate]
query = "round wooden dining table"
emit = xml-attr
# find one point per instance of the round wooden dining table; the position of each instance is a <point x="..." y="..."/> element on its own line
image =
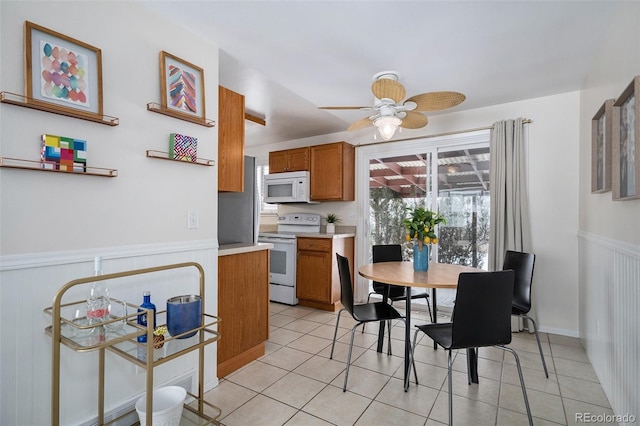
<point x="439" y="275"/>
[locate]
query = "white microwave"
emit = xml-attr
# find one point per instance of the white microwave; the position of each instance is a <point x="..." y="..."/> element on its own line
<point x="288" y="187"/>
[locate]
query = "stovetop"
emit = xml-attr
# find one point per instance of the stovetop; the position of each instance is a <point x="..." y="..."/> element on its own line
<point x="292" y="224"/>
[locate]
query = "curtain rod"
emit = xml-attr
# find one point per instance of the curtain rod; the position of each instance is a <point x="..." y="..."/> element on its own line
<point x="457" y="132"/>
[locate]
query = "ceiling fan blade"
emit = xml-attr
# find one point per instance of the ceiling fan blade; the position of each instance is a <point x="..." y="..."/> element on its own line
<point x="364" y="108"/>
<point x="360" y="124"/>
<point x="437" y="101"/>
<point x="414" y="120"/>
<point x="390" y="89"/>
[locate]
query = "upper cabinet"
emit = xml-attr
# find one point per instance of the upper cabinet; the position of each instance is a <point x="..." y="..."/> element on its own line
<point x="230" y="141"/>
<point x="289" y="160"/>
<point x="333" y="172"/>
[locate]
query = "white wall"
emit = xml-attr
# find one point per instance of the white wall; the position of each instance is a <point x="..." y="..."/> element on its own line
<point x="148" y="201"/>
<point x="610" y="234"/>
<point x="53" y="224"/>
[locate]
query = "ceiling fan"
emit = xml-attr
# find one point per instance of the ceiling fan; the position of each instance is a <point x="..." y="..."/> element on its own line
<point x="389" y="111"/>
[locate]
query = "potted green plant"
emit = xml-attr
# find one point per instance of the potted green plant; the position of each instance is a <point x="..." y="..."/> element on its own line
<point x="331" y="220"/>
<point x="420" y="225"/>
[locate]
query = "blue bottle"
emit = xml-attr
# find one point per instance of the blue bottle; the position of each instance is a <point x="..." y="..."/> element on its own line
<point x="142" y="319"/>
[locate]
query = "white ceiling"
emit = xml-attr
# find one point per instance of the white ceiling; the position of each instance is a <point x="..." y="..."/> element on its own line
<point x="290" y="57"/>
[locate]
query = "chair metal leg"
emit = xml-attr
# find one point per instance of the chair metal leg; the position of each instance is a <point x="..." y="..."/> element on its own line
<point x="430" y="314"/>
<point x="450" y="392"/>
<point x="413" y="350"/>
<point x="535" y="330"/>
<point x="524" y="389"/>
<point x="346" y="373"/>
<point x="335" y="333"/>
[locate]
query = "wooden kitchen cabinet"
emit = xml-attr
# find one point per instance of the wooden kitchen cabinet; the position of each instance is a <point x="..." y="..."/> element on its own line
<point x="332" y="174"/>
<point x="289" y="160"/>
<point x="317" y="277"/>
<point x="230" y="141"/>
<point x="243" y="306"/>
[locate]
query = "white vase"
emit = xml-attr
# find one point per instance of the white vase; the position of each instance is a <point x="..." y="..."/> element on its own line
<point x="331" y="228"/>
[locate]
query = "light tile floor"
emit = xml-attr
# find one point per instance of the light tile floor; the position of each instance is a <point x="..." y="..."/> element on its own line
<point x="295" y="382"/>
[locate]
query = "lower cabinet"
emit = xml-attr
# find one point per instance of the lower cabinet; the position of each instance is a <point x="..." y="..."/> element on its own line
<point x="243" y="307"/>
<point x="317" y="277"/>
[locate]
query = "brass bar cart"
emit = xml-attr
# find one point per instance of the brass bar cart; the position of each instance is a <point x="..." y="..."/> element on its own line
<point x="66" y="330"/>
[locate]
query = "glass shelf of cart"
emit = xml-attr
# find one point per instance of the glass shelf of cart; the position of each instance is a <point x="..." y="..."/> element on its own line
<point x="190" y="414"/>
<point x="172" y="347"/>
<point x="78" y="334"/>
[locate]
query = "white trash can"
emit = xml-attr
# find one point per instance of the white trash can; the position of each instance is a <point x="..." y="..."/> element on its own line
<point x="167" y="406"/>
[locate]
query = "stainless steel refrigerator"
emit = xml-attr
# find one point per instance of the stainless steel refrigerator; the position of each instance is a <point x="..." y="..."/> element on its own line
<point x="239" y="212"/>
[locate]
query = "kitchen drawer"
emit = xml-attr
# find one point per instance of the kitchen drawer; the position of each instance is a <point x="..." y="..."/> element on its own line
<point x="315" y="244"/>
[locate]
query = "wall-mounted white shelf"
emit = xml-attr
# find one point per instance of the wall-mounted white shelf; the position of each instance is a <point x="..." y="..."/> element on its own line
<point x="16" y="163"/>
<point x="155" y="107"/>
<point x="166" y="156"/>
<point x="23" y="101"/>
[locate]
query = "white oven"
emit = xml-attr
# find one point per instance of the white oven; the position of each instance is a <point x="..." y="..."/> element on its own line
<point x="282" y="258"/>
<point x="282" y="268"/>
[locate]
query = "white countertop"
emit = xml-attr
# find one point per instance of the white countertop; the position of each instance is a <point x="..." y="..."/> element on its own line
<point x="229" y="249"/>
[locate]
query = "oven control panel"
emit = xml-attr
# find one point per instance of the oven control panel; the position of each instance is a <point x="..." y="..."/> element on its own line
<point x="304" y="219"/>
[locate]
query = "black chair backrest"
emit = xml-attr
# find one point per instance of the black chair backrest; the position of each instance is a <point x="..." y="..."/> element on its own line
<point x="346" y="290"/>
<point x="387" y="253"/>
<point x="482" y="312"/>
<point x="522" y="264"/>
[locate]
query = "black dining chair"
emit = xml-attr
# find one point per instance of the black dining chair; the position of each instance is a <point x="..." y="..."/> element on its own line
<point x="393" y="253"/>
<point x="481" y="317"/>
<point x="368" y="312"/>
<point x="522" y="263"/>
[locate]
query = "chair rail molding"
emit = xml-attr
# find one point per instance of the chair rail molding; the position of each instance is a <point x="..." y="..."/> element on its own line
<point x="36" y="260"/>
<point x="616" y="245"/>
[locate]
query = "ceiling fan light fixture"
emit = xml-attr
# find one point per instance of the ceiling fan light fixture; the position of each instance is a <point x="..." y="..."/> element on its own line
<point x="387" y="126"/>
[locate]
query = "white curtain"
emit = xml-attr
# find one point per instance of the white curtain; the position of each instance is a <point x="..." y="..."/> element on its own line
<point x="509" y="227"/>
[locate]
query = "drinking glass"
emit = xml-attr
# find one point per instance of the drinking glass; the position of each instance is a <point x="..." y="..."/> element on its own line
<point x="117" y="309"/>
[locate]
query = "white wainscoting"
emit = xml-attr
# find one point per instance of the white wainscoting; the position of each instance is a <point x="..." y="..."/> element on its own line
<point x="610" y="317"/>
<point x="28" y="284"/>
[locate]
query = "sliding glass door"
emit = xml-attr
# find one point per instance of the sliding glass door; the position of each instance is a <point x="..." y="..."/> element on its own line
<point x="446" y="174"/>
<point x="395" y="184"/>
<point x="463" y="199"/>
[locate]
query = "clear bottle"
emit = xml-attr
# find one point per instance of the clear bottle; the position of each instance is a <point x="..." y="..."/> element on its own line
<point x="142" y="319"/>
<point x="98" y="300"/>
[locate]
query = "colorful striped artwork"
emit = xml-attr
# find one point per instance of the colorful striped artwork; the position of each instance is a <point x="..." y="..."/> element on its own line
<point x="63" y="153"/>
<point x="183" y="147"/>
<point x="182" y="89"/>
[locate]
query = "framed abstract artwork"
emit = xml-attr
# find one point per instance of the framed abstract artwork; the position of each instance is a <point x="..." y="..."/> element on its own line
<point x="62" y="73"/>
<point x="601" y="134"/>
<point x="626" y="142"/>
<point x="182" y="86"/>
